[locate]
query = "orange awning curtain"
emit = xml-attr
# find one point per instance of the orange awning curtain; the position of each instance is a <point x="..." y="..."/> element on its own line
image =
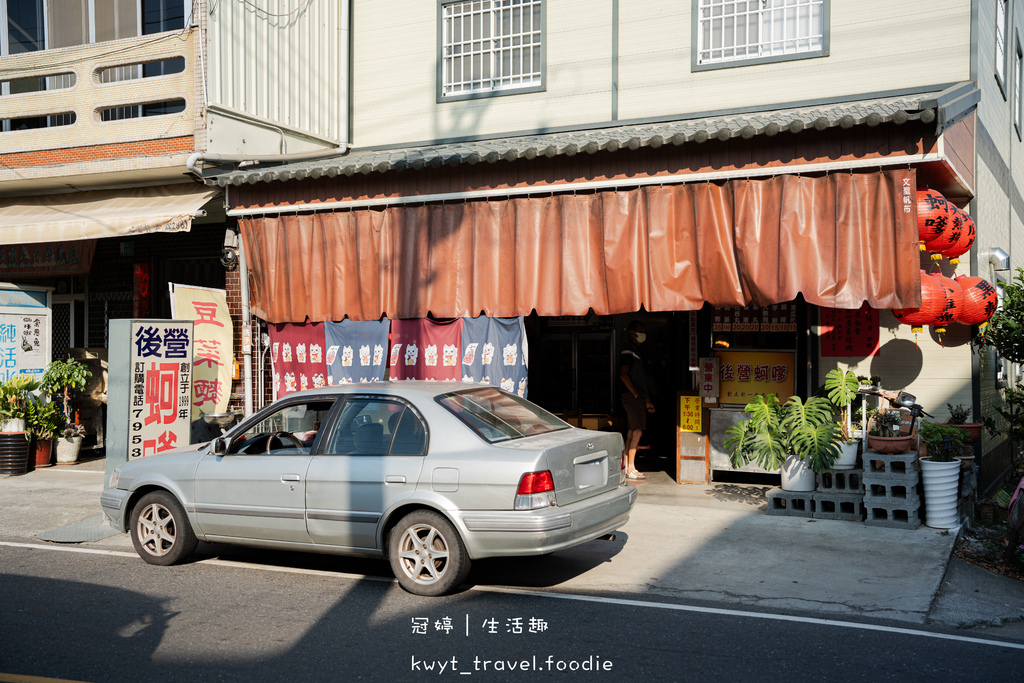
<point x="839" y="240"/>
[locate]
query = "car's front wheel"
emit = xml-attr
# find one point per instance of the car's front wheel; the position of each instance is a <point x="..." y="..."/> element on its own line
<point x="427" y="554"/>
<point x="160" y="530"/>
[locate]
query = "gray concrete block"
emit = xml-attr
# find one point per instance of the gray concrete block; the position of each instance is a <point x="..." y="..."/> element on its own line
<point x="790" y="503"/>
<point x="891" y="491"/>
<point x="908" y="479"/>
<point x="896" y="515"/>
<point x="847" y="507"/>
<point x="842" y="481"/>
<point x="886" y="464"/>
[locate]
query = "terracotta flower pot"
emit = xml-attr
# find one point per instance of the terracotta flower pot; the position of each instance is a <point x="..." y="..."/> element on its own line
<point x="972" y="428"/>
<point x="891" y="444"/>
<point x="43" y="452"/>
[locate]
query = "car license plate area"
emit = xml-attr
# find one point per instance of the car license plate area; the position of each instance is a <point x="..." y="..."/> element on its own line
<point x="592" y="472"/>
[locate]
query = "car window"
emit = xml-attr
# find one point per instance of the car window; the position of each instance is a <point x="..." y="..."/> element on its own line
<point x="370" y="426"/>
<point x="499" y="416"/>
<point x="290" y="429"/>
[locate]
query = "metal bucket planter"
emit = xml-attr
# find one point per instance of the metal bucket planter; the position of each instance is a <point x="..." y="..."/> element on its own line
<point x="67" y="450"/>
<point x="797" y="476"/>
<point x="941" y="488"/>
<point x="13" y="453"/>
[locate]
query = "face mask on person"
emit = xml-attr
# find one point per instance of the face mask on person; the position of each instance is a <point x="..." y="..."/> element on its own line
<point x="641" y="337"/>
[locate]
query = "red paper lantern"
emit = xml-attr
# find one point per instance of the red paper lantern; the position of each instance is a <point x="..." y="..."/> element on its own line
<point x="932" y="214"/>
<point x="950" y="234"/>
<point x="954" y="303"/>
<point x="933" y="303"/>
<point x="965" y="233"/>
<point x="980" y="300"/>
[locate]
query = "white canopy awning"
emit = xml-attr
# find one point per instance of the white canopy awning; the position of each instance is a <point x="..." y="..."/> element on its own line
<point x="103" y="213"/>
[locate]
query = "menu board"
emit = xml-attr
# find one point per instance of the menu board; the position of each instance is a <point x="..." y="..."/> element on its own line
<point x="846" y="332"/>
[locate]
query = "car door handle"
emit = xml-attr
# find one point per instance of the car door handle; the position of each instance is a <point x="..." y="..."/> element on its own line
<point x="289" y="477"/>
<point x="394" y="479"/>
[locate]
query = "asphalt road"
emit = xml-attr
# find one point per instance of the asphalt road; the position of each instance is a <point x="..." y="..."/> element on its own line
<point x="84" y="614"/>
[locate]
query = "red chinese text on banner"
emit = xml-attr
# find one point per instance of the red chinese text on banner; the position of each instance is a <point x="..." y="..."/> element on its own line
<point x="849" y="332"/>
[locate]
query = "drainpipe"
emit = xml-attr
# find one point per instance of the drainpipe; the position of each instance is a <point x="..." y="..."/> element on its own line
<point x="243" y="274"/>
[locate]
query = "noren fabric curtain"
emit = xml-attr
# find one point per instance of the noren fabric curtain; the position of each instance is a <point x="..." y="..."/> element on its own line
<point x="839" y="240"/>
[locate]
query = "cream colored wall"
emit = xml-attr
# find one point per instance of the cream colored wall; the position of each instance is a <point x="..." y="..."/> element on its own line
<point x="395" y="90"/>
<point x="876" y="45"/>
<point x="936" y="373"/>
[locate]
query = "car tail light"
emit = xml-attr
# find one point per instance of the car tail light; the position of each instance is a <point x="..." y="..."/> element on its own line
<point x="536" y="490"/>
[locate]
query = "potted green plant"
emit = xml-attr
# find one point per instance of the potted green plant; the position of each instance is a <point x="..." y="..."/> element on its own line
<point x="63" y="377"/>
<point x="799" y="437"/>
<point x="958" y="416"/>
<point x="14" y="398"/>
<point x="841" y="387"/>
<point x="69" y="445"/>
<point x="885" y="436"/>
<point x="940" y="473"/>
<point x="45" y="422"/>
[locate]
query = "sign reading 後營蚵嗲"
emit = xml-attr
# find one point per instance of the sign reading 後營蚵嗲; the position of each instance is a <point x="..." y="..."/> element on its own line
<point x="160" y="386"/>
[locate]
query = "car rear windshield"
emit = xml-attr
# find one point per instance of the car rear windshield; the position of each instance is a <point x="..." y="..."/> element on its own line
<point x="497" y="416"/>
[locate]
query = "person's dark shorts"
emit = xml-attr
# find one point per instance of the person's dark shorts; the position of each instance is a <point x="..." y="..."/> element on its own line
<point x="636" y="411"/>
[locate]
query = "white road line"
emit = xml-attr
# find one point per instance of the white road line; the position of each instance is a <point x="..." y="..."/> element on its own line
<point x="567" y="596"/>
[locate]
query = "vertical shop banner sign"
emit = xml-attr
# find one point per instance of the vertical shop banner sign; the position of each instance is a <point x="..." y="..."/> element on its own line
<point x="708" y="379"/>
<point x="160" y="413"/>
<point x="213" y="360"/>
<point x="356" y="350"/>
<point x="424" y="349"/>
<point x="694" y="352"/>
<point x="846" y="332"/>
<point x="297" y="356"/>
<point x="744" y="374"/>
<point x="495" y="352"/>
<point x="690" y="413"/>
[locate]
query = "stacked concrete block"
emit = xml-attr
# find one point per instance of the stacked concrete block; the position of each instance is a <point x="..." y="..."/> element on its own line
<point x="890" y="496"/>
<point x="840" y="495"/>
<point x="790" y="503"/>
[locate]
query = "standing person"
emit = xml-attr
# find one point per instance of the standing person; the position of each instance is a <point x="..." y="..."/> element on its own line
<point x="637" y="397"/>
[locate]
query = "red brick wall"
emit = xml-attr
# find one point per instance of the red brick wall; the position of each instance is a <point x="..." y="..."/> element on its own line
<point x="54" y="157"/>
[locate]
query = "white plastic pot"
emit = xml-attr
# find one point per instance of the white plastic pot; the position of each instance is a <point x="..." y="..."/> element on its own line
<point x="941" y="488"/>
<point x="797" y="476"/>
<point x="14" y="425"/>
<point x="847" y="456"/>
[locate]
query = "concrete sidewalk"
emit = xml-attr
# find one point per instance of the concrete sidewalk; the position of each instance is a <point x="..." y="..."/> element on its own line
<point x="697" y="544"/>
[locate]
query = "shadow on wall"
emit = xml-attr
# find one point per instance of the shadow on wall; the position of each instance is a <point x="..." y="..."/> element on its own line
<point x="903" y="351"/>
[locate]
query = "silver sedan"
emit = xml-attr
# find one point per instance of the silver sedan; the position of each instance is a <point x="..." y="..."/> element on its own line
<point x="430" y="475"/>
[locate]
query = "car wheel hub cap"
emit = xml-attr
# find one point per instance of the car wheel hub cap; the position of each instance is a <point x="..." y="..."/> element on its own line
<point x="155" y="530"/>
<point x="423" y="553"/>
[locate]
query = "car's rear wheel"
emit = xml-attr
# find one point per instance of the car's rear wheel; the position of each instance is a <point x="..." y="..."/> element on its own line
<point x="427" y="554"/>
<point x="160" y="530"/>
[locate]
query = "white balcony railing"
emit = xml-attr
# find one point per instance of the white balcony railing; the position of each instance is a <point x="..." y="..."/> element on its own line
<point x="128" y="90"/>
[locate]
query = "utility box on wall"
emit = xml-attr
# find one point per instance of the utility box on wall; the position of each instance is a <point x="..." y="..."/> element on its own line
<point x="149" y="392"/>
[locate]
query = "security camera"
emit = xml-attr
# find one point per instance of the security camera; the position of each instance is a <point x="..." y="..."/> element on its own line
<point x="229" y="258"/>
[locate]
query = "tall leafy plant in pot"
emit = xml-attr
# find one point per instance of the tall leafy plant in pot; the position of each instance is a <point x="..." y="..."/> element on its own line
<point x="841" y="388"/>
<point x="44" y="422"/>
<point x="940" y="473"/>
<point x="62" y="377"/>
<point x="797" y="436"/>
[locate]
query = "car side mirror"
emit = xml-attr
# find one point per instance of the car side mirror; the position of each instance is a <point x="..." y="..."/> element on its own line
<point x="219" y="446"/>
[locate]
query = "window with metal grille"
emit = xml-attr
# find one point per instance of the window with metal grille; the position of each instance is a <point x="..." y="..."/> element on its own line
<point x="491" y="47"/>
<point x="1001" y="45"/>
<point x="1018" y="102"/>
<point x="731" y="31"/>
